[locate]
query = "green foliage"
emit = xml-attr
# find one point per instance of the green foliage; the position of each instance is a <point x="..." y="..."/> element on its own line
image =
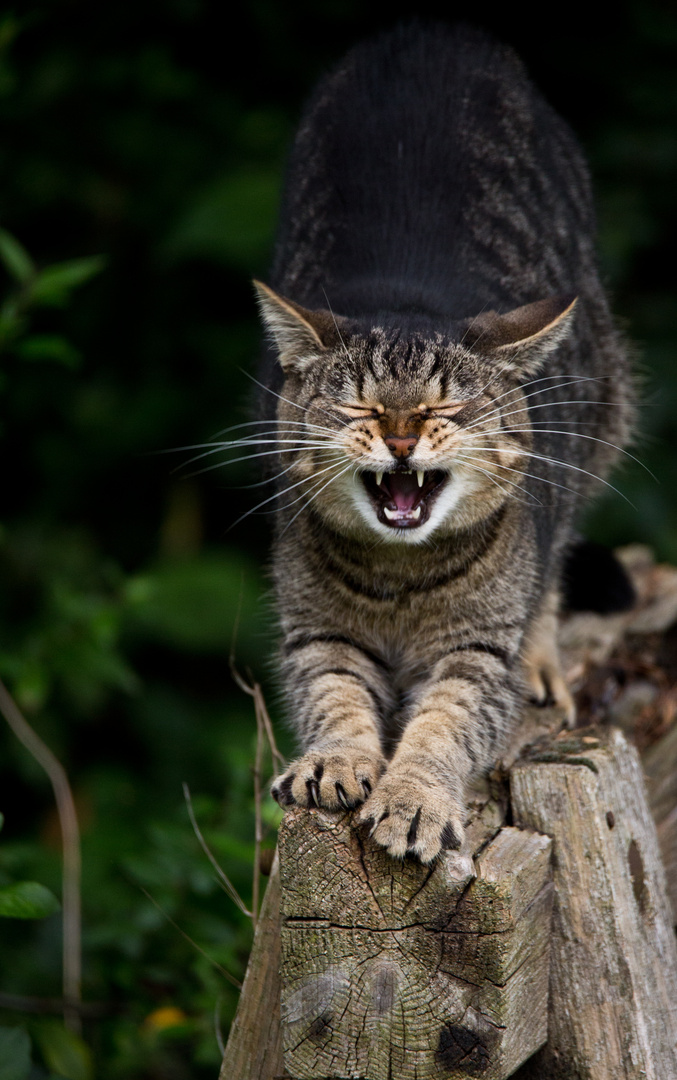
<point x="27" y="900"/>
<point x="64" y="1052"/>
<point x="15" y="1053"/>
<point x="141" y="161"/>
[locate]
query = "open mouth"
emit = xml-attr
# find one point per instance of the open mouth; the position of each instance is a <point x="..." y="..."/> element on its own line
<point x="403" y="499"/>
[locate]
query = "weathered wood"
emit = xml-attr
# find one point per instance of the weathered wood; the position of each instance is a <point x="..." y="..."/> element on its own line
<point x="613" y="983"/>
<point x="254" y="1049"/>
<point x="393" y="969"/>
<point x="659" y="763"/>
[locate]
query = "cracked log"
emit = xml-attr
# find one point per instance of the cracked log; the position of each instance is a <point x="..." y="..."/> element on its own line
<point x="392" y="969"/>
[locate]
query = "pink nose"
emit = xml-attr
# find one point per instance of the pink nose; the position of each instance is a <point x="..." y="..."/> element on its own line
<point x="401" y="445"/>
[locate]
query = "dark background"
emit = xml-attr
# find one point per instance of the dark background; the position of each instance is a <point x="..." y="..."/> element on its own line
<point x="154" y="135"/>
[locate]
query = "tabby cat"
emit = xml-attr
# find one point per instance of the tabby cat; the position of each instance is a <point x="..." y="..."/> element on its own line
<point x="444" y="386"/>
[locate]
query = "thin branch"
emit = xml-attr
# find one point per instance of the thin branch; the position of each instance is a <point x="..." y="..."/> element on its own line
<point x="90" y="1010"/>
<point x="71" y="873"/>
<point x="228" y="885"/>
<point x="258" y="828"/>
<point x="226" y="974"/>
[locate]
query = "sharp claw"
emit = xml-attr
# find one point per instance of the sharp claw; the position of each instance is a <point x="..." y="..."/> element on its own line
<point x="366" y="786"/>
<point x="383" y="816"/>
<point x="341" y="796"/>
<point x="313" y="792"/>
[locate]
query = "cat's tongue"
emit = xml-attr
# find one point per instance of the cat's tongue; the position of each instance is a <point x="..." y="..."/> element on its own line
<point x="404" y="491"/>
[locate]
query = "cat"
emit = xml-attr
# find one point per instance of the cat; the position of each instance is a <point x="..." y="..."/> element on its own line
<point x="444" y="386"/>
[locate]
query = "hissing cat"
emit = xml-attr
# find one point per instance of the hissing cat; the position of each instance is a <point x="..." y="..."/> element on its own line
<point x="444" y="385"/>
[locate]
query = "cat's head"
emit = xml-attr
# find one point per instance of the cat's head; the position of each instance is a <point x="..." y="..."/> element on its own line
<point x="404" y="434"/>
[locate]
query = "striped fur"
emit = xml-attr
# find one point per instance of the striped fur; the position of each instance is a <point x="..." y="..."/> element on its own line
<point x="444" y="384"/>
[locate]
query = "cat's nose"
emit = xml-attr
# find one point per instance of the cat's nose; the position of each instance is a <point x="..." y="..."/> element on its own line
<point x="400" y="445"/>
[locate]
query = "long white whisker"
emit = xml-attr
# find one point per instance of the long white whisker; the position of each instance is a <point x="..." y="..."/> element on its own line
<point x="236" y="461"/>
<point x="281" y="494"/>
<point x="508" y="494"/>
<point x="565" y="465"/>
<point x="483" y="415"/>
<point x="534" y="476"/>
<point x="272" y="420"/>
<point x="571" y="434"/>
<point x="281" y="397"/>
<point x="316" y="493"/>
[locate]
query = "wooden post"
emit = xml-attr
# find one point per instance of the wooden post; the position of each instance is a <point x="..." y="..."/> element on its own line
<point x="613" y="985"/>
<point x="254" y="1050"/>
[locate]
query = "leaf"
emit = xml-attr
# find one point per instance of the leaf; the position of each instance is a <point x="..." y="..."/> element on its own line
<point x="232" y="221"/>
<point x="15" y="1053"/>
<point x="49" y="347"/>
<point x="27" y="900"/>
<point x="54" y="284"/>
<point x="205" y="604"/>
<point x="15" y="257"/>
<point x="65" y="1053"/>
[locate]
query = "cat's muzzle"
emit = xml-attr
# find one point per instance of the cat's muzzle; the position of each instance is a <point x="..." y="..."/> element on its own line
<point x="403" y="499"/>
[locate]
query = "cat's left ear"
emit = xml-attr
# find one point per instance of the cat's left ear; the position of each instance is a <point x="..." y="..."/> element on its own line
<point x="299" y="335"/>
<point x="521" y="339"/>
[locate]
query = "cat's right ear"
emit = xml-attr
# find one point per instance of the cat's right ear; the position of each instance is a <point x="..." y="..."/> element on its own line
<point x="299" y="335"/>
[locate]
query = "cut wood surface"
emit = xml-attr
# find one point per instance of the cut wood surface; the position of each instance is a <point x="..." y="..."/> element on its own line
<point x="392" y="969"/>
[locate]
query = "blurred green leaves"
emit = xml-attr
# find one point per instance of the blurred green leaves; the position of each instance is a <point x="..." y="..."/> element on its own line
<point x="27" y="900"/>
<point x="65" y="1053"/>
<point x="15" y="1053"/>
<point x="205" y="604"/>
<point x="232" y="221"/>
<point x="34" y="288"/>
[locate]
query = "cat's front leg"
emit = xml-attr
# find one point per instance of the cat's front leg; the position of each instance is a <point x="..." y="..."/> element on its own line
<point x="419" y="805"/>
<point x="337" y="692"/>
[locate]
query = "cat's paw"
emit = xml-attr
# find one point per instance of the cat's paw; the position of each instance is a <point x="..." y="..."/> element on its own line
<point x="411" y="818"/>
<point x="336" y="778"/>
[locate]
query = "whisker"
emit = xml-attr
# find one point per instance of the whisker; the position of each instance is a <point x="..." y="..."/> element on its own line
<point x="543" y="390"/>
<point x="281" y="494"/>
<point x="571" y="434"/>
<point x="316" y="493"/>
<point x="237" y="461"/>
<point x="565" y="465"/>
<point x="508" y="494"/>
<point x="281" y="397"/>
<point x="535" y="476"/>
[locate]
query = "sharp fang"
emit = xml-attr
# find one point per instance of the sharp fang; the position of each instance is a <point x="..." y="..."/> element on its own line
<point x="420" y="476"/>
<point x="379" y="478"/>
<point x="416" y="513"/>
<point x="390" y="514"/>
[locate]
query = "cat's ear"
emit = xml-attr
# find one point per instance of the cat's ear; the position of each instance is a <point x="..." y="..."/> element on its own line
<point x="299" y="335"/>
<point x="521" y="339"/>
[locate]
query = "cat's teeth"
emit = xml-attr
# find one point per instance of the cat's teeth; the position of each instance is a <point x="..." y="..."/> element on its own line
<point x="390" y="514"/>
<point x="417" y="512"/>
<point x="379" y="478"/>
<point x="420" y="476"/>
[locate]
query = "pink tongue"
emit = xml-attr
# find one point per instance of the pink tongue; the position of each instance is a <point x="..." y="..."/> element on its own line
<point x="404" y="491"/>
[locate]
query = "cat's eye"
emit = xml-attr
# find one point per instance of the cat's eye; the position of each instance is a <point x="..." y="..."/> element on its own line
<point x="448" y="409"/>
<point x="361" y="412"/>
